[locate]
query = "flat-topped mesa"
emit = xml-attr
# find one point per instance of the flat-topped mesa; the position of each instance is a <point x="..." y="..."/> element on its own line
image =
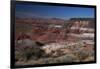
<point x="83" y="22"/>
<point x="81" y="25"/>
<point x="82" y="19"/>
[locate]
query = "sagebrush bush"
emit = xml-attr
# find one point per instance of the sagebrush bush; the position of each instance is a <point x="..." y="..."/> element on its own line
<point x="61" y="59"/>
<point x="29" y="53"/>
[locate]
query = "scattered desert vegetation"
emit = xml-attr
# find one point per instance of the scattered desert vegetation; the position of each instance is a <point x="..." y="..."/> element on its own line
<point x="41" y="41"/>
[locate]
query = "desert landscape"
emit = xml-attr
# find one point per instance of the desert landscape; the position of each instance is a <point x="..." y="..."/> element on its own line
<point x="50" y="34"/>
<point x="54" y="40"/>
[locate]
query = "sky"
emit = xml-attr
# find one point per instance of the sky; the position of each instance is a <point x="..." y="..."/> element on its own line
<point x="63" y="12"/>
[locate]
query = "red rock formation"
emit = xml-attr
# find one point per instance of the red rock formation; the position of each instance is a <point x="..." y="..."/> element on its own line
<point x="42" y="32"/>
